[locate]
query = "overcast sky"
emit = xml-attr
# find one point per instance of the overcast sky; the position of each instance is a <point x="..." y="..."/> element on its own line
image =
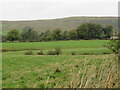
<point x="51" y="9"/>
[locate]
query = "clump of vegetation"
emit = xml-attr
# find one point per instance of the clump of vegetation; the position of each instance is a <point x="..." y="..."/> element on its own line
<point x="23" y="84"/>
<point x="86" y="53"/>
<point x="106" y="53"/>
<point x="42" y="85"/>
<point x="39" y="78"/>
<point x="51" y="76"/>
<point x="57" y="71"/>
<point x="4" y="50"/>
<point x="57" y="51"/>
<point x="13" y="35"/>
<point x="97" y="31"/>
<point x="40" y="53"/>
<point x="76" y="66"/>
<point x="51" y="53"/>
<point x="7" y="50"/>
<point x="114" y="46"/>
<point x="73" y="53"/>
<point x="29" y="52"/>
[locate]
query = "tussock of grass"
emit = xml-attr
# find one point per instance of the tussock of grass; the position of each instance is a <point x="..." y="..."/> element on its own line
<point x="29" y="53"/>
<point x="40" y="53"/>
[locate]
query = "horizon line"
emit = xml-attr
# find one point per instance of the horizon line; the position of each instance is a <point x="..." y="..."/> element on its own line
<point x="60" y="18"/>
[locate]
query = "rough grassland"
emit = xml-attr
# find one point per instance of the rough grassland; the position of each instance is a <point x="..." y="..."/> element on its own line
<point x="63" y="71"/>
<point x="63" y="23"/>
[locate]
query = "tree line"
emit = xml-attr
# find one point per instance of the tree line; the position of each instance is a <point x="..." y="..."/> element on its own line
<point x="85" y="31"/>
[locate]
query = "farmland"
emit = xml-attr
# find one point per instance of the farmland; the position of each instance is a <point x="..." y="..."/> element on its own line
<point x="88" y="46"/>
<point x="92" y="66"/>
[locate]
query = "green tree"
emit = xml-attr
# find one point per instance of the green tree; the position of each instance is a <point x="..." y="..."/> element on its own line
<point x="73" y="35"/>
<point x="89" y="31"/>
<point x="57" y="34"/>
<point x="28" y="34"/>
<point x="108" y="30"/>
<point x="42" y="36"/>
<point x="13" y="35"/>
<point x="65" y="35"/>
<point x="4" y="38"/>
<point x="45" y="36"/>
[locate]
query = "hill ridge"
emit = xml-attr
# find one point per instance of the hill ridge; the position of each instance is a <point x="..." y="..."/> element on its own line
<point x="66" y="23"/>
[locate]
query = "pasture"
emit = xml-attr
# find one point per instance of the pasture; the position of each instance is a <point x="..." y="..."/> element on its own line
<point x="81" y="46"/>
<point x="93" y="65"/>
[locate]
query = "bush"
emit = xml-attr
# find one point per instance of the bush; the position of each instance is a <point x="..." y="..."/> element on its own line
<point x="51" y="53"/>
<point x="106" y="53"/>
<point x="114" y="46"/>
<point x="86" y="53"/>
<point x="4" y="50"/>
<point x="29" y="53"/>
<point x="58" y="51"/>
<point x="8" y="50"/>
<point x="40" y="53"/>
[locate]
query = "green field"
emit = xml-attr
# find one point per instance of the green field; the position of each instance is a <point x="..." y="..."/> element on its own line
<point x="81" y="46"/>
<point x="95" y="70"/>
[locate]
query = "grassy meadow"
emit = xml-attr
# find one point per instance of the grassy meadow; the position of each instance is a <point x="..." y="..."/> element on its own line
<point x="92" y="65"/>
<point x="80" y="47"/>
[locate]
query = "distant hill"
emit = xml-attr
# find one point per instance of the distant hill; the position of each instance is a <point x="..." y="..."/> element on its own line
<point x="63" y="23"/>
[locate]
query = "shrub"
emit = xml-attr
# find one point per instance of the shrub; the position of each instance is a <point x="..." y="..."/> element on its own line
<point x="40" y="53"/>
<point x="114" y="46"/>
<point x="58" y="51"/>
<point x="106" y="53"/>
<point x="8" y="50"/>
<point x="4" y="50"/>
<point x="51" y="53"/>
<point x="86" y="53"/>
<point x="29" y="53"/>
